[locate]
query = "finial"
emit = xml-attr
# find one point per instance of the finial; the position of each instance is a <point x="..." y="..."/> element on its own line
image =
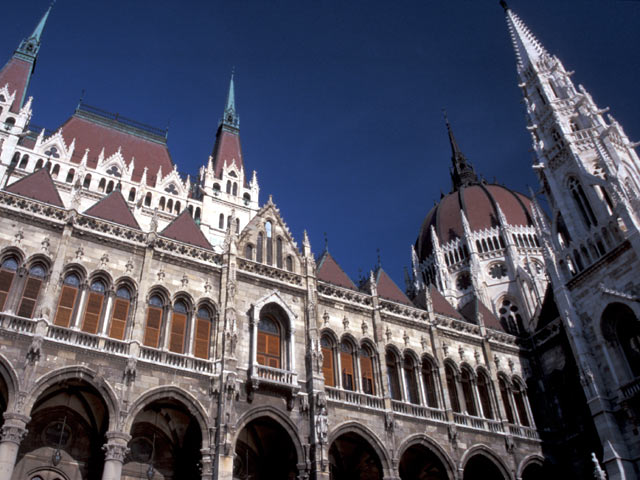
<point x="504" y="5"/>
<point x="81" y="99"/>
<point x="326" y="242"/>
<point x="379" y="261"/>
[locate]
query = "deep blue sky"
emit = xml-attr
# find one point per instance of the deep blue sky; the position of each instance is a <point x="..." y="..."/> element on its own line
<point x="340" y="102"/>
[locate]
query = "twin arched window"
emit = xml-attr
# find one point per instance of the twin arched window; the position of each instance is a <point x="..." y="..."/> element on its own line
<point x="7" y="274"/>
<point x="348" y="364"/>
<point x="580" y="198"/>
<point x="30" y="287"/>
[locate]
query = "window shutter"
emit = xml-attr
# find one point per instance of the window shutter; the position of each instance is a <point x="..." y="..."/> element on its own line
<point x="201" y="339"/>
<point x="29" y="297"/>
<point x="178" y="326"/>
<point x="65" y="306"/>
<point x="92" y="313"/>
<point x="6" y="277"/>
<point x="366" y="365"/>
<point x="346" y="359"/>
<point x="262" y="348"/>
<point x="327" y="367"/>
<point x="152" y="329"/>
<point x="119" y="319"/>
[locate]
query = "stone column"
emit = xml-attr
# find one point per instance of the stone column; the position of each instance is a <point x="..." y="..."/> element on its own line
<point x="12" y="433"/>
<point x="207" y="464"/>
<point x="115" y="450"/>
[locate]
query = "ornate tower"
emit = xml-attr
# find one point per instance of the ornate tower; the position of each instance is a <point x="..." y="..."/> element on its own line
<point x="589" y="174"/>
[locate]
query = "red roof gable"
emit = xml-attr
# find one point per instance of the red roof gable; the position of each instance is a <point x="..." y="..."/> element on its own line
<point x="96" y="133"/>
<point x="389" y="290"/>
<point x="329" y="271"/>
<point x="114" y="208"/>
<point x="227" y="149"/>
<point x="16" y="73"/>
<point x="39" y="186"/>
<point x="470" y="312"/>
<point x="441" y="304"/>
<point x="185" y="230"/>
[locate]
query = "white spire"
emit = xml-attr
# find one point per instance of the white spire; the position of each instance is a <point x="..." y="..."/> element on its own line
<point x="527" y="47"/>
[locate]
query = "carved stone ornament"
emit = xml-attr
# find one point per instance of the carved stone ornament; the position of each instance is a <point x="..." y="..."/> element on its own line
<point x="424" y="343"/>
<point x="345" y="322"/>
<point x="496" y="360"/>
<point x="389" y="334"/>
<point x="13" y="433"/>
<point x="509" y="444"/>
<point x="33" y="354"/>
<point x="45" y="244"/>
<point x="184" y="281"/>
<point x="129" y="373"/>
<point x="304" y="402"/>
<point x="406" y="338"/>
<point x="598" y="472"/>
<point x="322" y="426"/>
<point x="511" y="365"/>
<point x="389" y="422"/>
<point x="129" y="266"/>
<point x="365" y="327"/>
<point x="114" y="451"/>
<point x="445" y="348"/>
<point x="207" y="286"/>
<point x="18" y="237"/>
<point x="79" y="253"/>
<point x="161" y="274"/>
<point x="104" y="261"/>
<point x="453" y="434"/>
<point x="325" y="318"/>
<point x="476" y="355"/>
<point x="461" y="352"/>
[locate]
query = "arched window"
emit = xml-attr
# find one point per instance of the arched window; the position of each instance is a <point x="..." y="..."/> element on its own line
<point x="197" y="217"/>
<point x="190" y="208"/>
<point x="366" y="371"/>
<point x="279" y="252"/>
<point x="248" y="251"/>
<point x="504" y="393"/>
<point x="178" y="327"/>
<point x="120" y="313"/>
<point x="430" y="383"/>
<point x="290" y="263"/>
<point x="7" y="274"/>
<point x="86" y="183"/>
<point x="202" y="337"/>
<point x="147" y="199"/>
<point x="235" y="189"/>
<point x="326" y="346"/>
<point x="161" y="203"/>
<point x="411" y="381"/>
<point x="221" y="221"/>
<point x="347" y="365"/>
<point x="620" y="326"/>
<point x="519" y="401"/>
<point x="169" y="205"/>
<point x="67" y="300"/>
<point x="70" y="174"/>
<point x="581" y="201"/>
<point x="93" y="309"/>
<point x="102" y="184"/>
<point x="24" y="162"/>
<point x="269" y="232"/>
<point x="176" y="208"/>
<point x="132" y="194"/>
<point x="228" y="186"/>
<point x="56" y="171"/>
<point x="237" y="226"/>
<point x="154" y="321"/>
<point x="39" y="164"/>
<point x="259" y="247"/>
<point x="228" y="222"/>
<point x="31" y="291"/>
<point x="484" y="392"/>
<point x="510" y="318"/>
<point x="393" y="375"/>
<point x="110" y="186"/>
<point x="467" y="390"/>
<point x="452" y="387"/>
<point x="269" y="342"/>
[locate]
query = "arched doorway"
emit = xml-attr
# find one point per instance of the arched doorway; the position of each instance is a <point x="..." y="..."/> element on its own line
<point x="351" y="457"/>
<point x="165" y="441"/>
<point x="66" y="433"/>
<point x="479" y="467"/>
<point x="264" y="451"/>
<point x="534" y="471"/>
<point x="420" y="463"/>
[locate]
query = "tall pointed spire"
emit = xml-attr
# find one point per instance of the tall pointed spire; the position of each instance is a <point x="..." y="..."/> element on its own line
<point x="231" y="118"/>
<point x="527" y="47"/>
<point x="462" y="173"/>
<point x="18" y="70"/>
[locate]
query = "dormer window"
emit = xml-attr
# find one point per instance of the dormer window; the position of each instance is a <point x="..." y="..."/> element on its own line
<point x="113" y="170"/>
<point x="52" y="152"/>
<point x="233" y="174"/>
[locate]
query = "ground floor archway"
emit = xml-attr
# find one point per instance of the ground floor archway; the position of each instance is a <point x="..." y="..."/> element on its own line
<point x="534" y="471"/>
<point x="480" y="467"/>
<point x="352" y="457"/>
<point x="264" y="451"/>
<point x="420" y="463"/>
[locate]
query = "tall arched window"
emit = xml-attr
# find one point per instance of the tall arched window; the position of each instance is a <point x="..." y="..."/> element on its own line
<point x="269" y="342"/>
<point x="347" y="365"/>
<point x="31" y="291"/>
<point x="161" y="203"/>
<point x="202" y="336"/>
<point x="86" y="183"/>
<point x="411" y="381"/>
<point x="279" y="252"/>
<point x="259" y="247"/>
<point x="504" y="393"/>
<point x="169" y="205"/>
<point x="621" y="327"/>
<point x="237" y="226"/>
<point x="519" y="401"/>
<point x="67" y="300"/>
<point x="467" y="390"/>
<point x="24" y="162"/>
<point x="366" y="371"/>
<point x="484" y="392"/>
<point x="248" y="251"/>
<point x="39" y="164"/>
<point x="7" y="274"/>
<point x="70" y="174"/>
<point x="452" y="387"/>
<point x="56" y="171"/>
<point x="93" y="309"/>
<point x="120" y="313"/>
<point x="228" y="186"/>
<point x="269" y="232"/>
<point x="154" y="322"/>
<point x="102" y="185"/>
<point x="132" y="194"/>
<point x="582" y="202"/>
<point x="430" y="383"/>
<point x="393" y="375"/>
<point x="290" y="263"/>
<point x="510" y="318"/>
<point x="147" y="199"/>
<point x="235" y="189"/>
<point x="221" y="221"/>
<point x="326" y="346"/>
<point x="178" y="327"/>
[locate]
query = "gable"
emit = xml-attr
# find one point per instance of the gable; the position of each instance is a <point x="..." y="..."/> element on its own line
<point x="330" y="271"/>
<point x="114" y="208"/>
<point x="388" y="290"/>
<point x="38" y="186"/>
<point x="184" y="229"/>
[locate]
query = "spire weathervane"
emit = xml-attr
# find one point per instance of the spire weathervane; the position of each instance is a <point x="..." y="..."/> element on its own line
<point x="462" y="173"/>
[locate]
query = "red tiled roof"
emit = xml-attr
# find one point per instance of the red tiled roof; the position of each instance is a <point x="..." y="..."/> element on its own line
<point x="114" y="208"/>
<point x="227" y="149"/>
<point x="479" y="203"/>
<point x="185" y="230"/>
<point x="16" y="73"/>
<point x="95" y="136"/>
<point x="388" y="290"/>
<point x="470" y="312"/>
<point x="329" y="271"/>
<point x="441" y="305"/>
<point x="39" y="186"/>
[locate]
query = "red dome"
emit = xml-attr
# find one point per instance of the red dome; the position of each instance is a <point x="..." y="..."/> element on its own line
<point x="479" y="204"/>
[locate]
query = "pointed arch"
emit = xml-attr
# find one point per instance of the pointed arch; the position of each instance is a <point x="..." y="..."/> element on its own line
<point x="12" y="381"/>
<point x="487" y="452"/>
<point x="431" y="445"/>
<point x="368" y="435"/>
